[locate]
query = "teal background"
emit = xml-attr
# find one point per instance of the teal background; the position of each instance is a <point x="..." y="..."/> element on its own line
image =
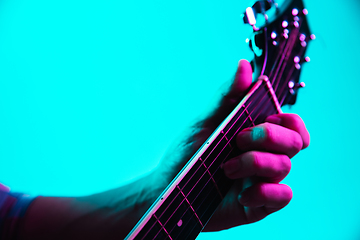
<point x="92" y="93"/>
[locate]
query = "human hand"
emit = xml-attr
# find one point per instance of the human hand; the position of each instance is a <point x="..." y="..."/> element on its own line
<point x="265" y="162"/>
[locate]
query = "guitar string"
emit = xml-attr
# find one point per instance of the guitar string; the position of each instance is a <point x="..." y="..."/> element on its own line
<point x="293" y="37"/>
<point x="249" y="115"/>
<point x="287" y="79"/>
<point x="288" y="46"/>
<point x="218" y="154"/>
<point x="228" y="141"/>
<point x="276" y="62"/>
<point x="225" y="147"/>
<point x="208" y="167"/>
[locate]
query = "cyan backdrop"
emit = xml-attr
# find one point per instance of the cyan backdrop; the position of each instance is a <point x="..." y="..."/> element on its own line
<point x="92" y="93"/>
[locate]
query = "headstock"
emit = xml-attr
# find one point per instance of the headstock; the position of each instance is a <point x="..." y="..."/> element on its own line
<point x="279" y="46"/>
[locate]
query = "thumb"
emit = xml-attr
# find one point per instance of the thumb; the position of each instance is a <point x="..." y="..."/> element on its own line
<point x="237" y="91"/>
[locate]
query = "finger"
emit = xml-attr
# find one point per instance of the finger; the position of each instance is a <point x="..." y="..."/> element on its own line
<point x="241" y="83"/>
<point x="270" y="195"/>
<point x="262" y="199"/>
<point x="293" y="122"/>
<point x="243" y="79"/>
<point x="270" y="138"/>
<point x="272" y="167"/>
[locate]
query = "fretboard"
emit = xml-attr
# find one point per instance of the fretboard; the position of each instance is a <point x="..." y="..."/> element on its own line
<point x="184" y="208"/>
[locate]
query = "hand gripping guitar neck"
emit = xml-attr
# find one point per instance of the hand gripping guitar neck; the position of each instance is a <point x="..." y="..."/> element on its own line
<point x="187" y="204"/>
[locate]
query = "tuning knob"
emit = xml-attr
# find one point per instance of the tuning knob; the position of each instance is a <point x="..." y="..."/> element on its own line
<point x="295" y="86"/>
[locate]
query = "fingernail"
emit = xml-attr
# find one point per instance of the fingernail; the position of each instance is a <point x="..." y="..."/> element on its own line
<point x="231" y="166"/>
<point x="257" y="134"/>
<point x="273" y="119"/>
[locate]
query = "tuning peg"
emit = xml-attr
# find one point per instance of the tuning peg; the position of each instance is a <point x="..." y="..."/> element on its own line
<point x="295" y="86"/>
<point x="295" y="12"/>
<point x="273" y="35"/>
<point x="285" y="24"/>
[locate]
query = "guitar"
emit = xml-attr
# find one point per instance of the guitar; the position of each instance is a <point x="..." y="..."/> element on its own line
<point x="189" y="201"/>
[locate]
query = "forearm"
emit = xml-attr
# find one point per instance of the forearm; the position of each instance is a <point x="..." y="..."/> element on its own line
<point x="107" y="215"/>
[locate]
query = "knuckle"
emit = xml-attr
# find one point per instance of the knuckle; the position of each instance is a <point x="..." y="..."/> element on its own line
<point x="270" y="133"/>
<point x="297" y="143"/>
<point x="287" y="193"/>
<point x="297" y="122"/>
<point x="254" y="159"/>
<point x="285" y="165"/>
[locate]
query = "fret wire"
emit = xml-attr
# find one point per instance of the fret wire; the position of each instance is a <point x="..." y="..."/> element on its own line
<point x="247" y="112"/>
<point x="211" y="177"/>
<point x="197" y="194"/>
<point x="267" y="92"/>
<point x="204" y="197"/>
<point x="162" y="226"/>
<point x="226" y="138"/>
<point x="202" y="225"/>
<point x="245" y="108"/>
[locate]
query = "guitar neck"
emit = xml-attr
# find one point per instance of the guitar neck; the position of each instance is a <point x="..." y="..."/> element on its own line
<point x="187" y="204"/>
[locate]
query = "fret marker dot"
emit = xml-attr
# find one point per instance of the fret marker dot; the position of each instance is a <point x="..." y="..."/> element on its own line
<point x="179" y="223"/>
